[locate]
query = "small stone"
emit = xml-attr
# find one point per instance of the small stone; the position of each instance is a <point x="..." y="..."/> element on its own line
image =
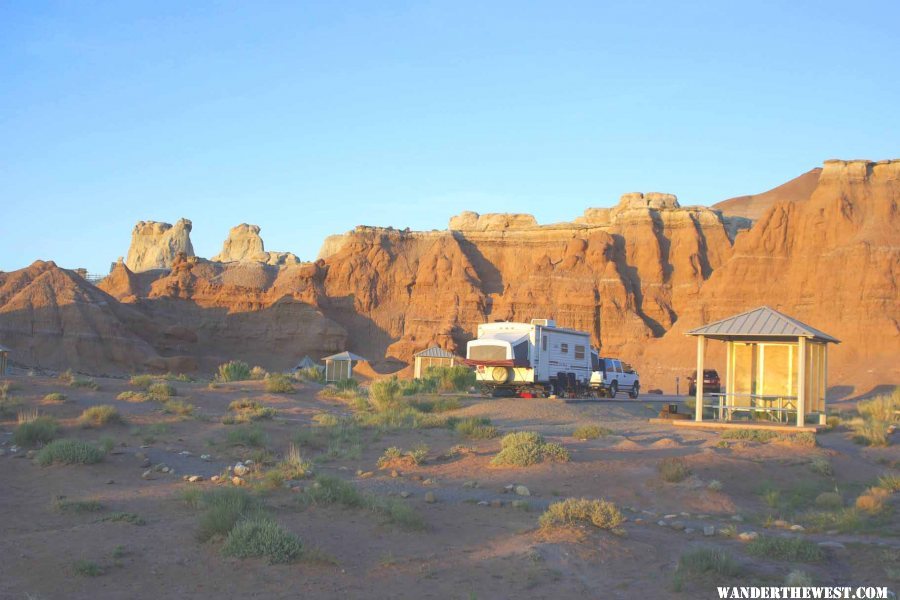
<point x="709" y="530"/>
<point x="110" y="481"/>
<point x="430" y="498"/>
<point x="359" y="472"/>
<point x="662" y="523"/>
<point x="405" y="494"/>
<point x="780" y="523"/>
<point x="510" y="487"/>
<point x="145" y="463"/>
<point x="737" y="518"/>
<point x="748" y="536"/>
<point x="702" y="517"/>
<point x="429" y="481"/>
<point x="165" y="469"/>
<point x="484" y="503"/>
<point x="684" y="514"/>
<point x="366" y="474"/>
<point x="237" y="480"/>
<point x="195" y="478"/>
<point x="148" y="474"/>
<point x="521" y="490"/>
<point x="677" y="525"/>
<point x="186" y="453"/>
<point x="470" y="484"/>
<point x="205" y="457"/>
<point x="215" y="478"/>
<point x="240" y="470"/>
<point x="798" y="528"/>
<point x="395" y="473"/>
<point x="669" y="516"/>
<point x="520" y="504"/>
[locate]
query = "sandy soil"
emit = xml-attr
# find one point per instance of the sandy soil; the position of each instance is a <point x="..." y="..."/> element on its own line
<point x="467" y="550"/>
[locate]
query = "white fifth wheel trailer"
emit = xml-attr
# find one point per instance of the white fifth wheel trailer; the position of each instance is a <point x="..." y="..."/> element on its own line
<point x="531" y="358"/>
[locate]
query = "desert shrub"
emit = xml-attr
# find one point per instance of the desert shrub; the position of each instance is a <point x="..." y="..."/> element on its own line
<point x="178" y="407"/>
<point x="258" y="373"/>
<point x="804" y="438"/>
<point x="69" y="452"/>
<point x="437" y="405"/>
<point x="346" y="384"/>
<point x="326" y="419"/>
<point x="66" y="377"/>
<point x="821" y="466"/>
<point x="872" y="501"/>
<point x="100" y="415"/>
<point x="889" y="482"/>
<point x="589" y="432"/>
<point x="260" y="536"/>
<point x="524" y="448"/>
<point x="132" y="396"/>
<point x="788" y="549"/>
<point x="122" y="517"/>
<point x="141" y="381"/>
<point x="222" y="509"/>
<point x="714" y="485"/>
<point x="396" y="457"/>
<point x="76" y="506"/>
<point x="331" y="490"/>
<point x="279" y="384"/>
<point x="457" y="378"/>
<point x="312" y="374"/>
<point x="704" y="561"/>
<point x="673" y="469"/>
<point x="246" y="410"/>
<point x="829" y="500"/>
<point x="249" y="436"/>
<point x="338" y="438"/>
<point x="475" y="428"/>
<point x="294" y="466"/>
<point x="882" y="408"/>
<point x="843" y="520"/>
<point x="161" y="391"/>
<point x="599" y="513"/>
<point x="400" y="417"/>
<point x="169" y="376"/>
<point x="55" y="397"/>
<point x="414" y="387"/>
<point x="870" y="432"/>
<point x="36" y="431"/>
<point x="384" y="393"/>
<point x="87" y="568"/>
<point x="235" y="370"/>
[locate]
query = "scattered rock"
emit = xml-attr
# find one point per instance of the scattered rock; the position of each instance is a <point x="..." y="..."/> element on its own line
<point x="241" y="469"/>
<point x="484" y="503"/>
<point x="662" y="523"/>
<point x="429" y="481"/>
<point x="405" y="494"/>
<point x="509" y="488"/>
<point x="709" y="530"/>
<point x="237" y="480"/>
<point x="748" y="536"/>
<point x="186" y="453"/>
<point x="366" y="474"/>
<point x="110" y="481"/>
<point x="521" y="490"/>
<point x="677" y="525"/>
<point x="470" y="484"/>
<point x="669" y="516"/>
<point x="205" y="457"/>
<point x="195" y="478"/>
<point x="430" y="498"/>
<point x="798" y="528"/>
<point x="737" y="518"/>
<point x="145" y="463"/>
<point x="148" y="474"/>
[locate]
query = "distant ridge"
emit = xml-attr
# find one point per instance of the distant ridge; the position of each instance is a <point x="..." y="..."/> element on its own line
<point x="754" y="206"/>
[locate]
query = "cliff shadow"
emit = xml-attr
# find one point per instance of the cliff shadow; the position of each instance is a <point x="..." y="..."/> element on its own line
<point x="632" y="277"/>
<point x="490" y="276"/>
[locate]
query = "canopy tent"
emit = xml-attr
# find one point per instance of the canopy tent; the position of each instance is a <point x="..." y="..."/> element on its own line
<point x="776" y="367"/>
<point x="340" y="366"/>
<point x="307" y="363"/>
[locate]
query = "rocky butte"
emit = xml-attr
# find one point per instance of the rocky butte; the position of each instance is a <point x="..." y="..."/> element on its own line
<point x="823" y="248"/>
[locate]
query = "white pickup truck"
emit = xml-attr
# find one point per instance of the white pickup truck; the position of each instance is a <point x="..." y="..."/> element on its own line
<point x="611" y="376"/>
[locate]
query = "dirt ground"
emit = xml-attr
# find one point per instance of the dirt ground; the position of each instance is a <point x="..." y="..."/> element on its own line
<point x="467" y="550"/>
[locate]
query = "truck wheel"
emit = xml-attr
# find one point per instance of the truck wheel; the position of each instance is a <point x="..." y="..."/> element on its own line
<point x="635" y="390"/>
<point x="613" y="389"/>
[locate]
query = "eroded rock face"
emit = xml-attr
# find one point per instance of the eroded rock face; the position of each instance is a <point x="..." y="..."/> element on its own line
<point x="472" y="221"/>
<point x="154" y="245"/>
<point x="244" y="244"/>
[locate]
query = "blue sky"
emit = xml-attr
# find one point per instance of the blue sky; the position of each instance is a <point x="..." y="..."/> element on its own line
<point x="310" y="118"/>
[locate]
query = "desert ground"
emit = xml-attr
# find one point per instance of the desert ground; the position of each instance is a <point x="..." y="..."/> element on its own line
<point x="437" y="519"/>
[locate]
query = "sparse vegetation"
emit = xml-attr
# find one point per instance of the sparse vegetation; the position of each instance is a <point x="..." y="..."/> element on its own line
<point x="279" y="384"/>
<point x="589" y="432"/>
<point x="311" y="374"/>
<point x="33" y="432"/>
<point x="98" y="416"/>
<point x="673" y="469"/>
<point x="70" y="379"/>
<point x="235" y="370"/>
<point x="141" y="381"/>
<point x="69" y="452"/>
<point x="222" y="509"/>
<point x="294" y="466"/>
<point x="457" y="378"/>
<point x="872" y="501"/>
<point x="132" y="396"/>
<point x="829" y="500"/>
<point x="877" y="415"/>
<point x="337" y="438"/>
<point x="257" y="373"/>
<point x="260" y="536"/>
<point x="55" y="398"/>
<point x="178" y="407"/>
<point x="821" y="466"/>
<point x="331" y="490"/>
<point x="395" y="457"/>
<point x="787" y="549"/>
<point x="87" y="568"/>
<point x="704" y="562"/>
<point x="524" y="448"/>
<point x="889" y="482"/>
<point x="475" y="428"/>
<point x="63" y="505"/>
<point x="161" y="391"/>
<point x="384" y="394"/>
<point x="246" y="410"/>
<point x="804" y="438"/>
<point x="123" y="517"/>
<point x="599" y="513"/>
<point x="247" y="435"/>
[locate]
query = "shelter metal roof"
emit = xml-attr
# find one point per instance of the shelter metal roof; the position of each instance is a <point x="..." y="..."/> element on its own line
<point x="345" y="356"/>
<point x="435" y="352"/>
<point x="761" y="322"/>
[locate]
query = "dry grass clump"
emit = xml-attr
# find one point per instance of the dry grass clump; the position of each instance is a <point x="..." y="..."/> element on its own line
<point x="872" y="501"/>
<point x="704" y="562"/>
<point x="246" y="410"/>
<point x="673" y="469"/>
<point x="804" y="438"/>
<point x="178" y="407"/>
<point x="161" y="391"/>
<point x="133" y="397"/>
<point x="98" y="416"/>
<point x="258" y="373"/>
<point x="293" y="466"/>
<point x="821" y="466"/>
<point x="55" y="398"/>
<point x="524" y="448"/>
<point x="330" y="490"/>
<point x="889" y="482"/>
<point x="87" y="568"/>
<point x="247" y="436"/>
<point x="235" y="370"/>
<point x="141" y="381"/>
<point x="476" y="428"/>
<point x="279" y="384"/>
<point x="395" y="457"/>
<point x="589" y="432"/>
<point x="69" y="452"/>
<point x="311" y="374"/>
<point x="829" y="500"/>
<point x="877" y="417"/>
<point x="384" y="394"/>
<point x="573" y="511"/>
<point x="70" y="379"/>
<point x="37" y="430"/>
<point x="787" y="549"/>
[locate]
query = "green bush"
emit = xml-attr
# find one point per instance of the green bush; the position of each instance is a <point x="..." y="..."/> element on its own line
<point x="178" y="407"/>
<point x="260" y="536"/>
<point x="77" y="506"/>
<point x="249" y="436"/>
<point x="141" y="381"/>
<point x="38" y="431"/>
<point x="475" y="428"/>
<point x="222" y="509"/>
<point x="123" y="517"/>
<point x="312" y="374"/>
<point x="457" y="378"/>
<point x="599" y="513"/>
<point x="787" y="549"/>
<point x="279" y="384"/>
<point x="870" y="432"/>
<point x="673" y="469"/>
<point x="235" y="370"/>
<point x="589" y="432"/>
<point x="804" y="439"/>
<point x="87" y="568"/>
<point x="889" y="482"/>
<point x="100" y="415"/>
<point x="414" y="387"/>
<point x="704" y="561"/>
<point x="524" y="448"/>
<point x="55" y="397"/>
<point x="346" y="384"/>
<point x="69" y="452"/>
<point x="829" y="500"/>
<point x="821" y="466"/>
<point x="331" y="490"/>
<point x="882" y="408"/>
<point x="132" y="396"/>
<point x="258" y="373"/>
<point x="246" y="410"/>
<point x="384" y="393"/>
<point x="161" y="391"/>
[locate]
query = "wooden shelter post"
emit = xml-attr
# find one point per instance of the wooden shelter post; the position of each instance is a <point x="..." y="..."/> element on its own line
<point x="801" y="382"/>
<point x="698" y="381"/>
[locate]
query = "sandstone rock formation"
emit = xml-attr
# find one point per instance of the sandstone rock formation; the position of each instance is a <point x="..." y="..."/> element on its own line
<point x="245" y="244"/>
<point x="754" y="206"/>
<point x="154" y="245"/>
<point x="472" y="221"/>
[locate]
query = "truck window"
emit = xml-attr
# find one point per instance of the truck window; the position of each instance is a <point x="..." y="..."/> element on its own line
<point x="617" y="366"/>
<point x="579" y="352"/>
<point x="564" y="348"/>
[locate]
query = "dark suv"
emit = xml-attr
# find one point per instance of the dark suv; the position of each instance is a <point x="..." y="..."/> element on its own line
<point x="711" y="383"/>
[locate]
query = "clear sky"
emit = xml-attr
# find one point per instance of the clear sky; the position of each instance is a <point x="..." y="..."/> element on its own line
<point x="310" y="118"/>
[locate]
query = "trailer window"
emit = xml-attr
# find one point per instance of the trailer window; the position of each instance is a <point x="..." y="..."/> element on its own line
<point x="579" y="352"/>
<point x="564" y="348"/>
<point x="544" y="343"/>
<point x="487" y="352"/>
